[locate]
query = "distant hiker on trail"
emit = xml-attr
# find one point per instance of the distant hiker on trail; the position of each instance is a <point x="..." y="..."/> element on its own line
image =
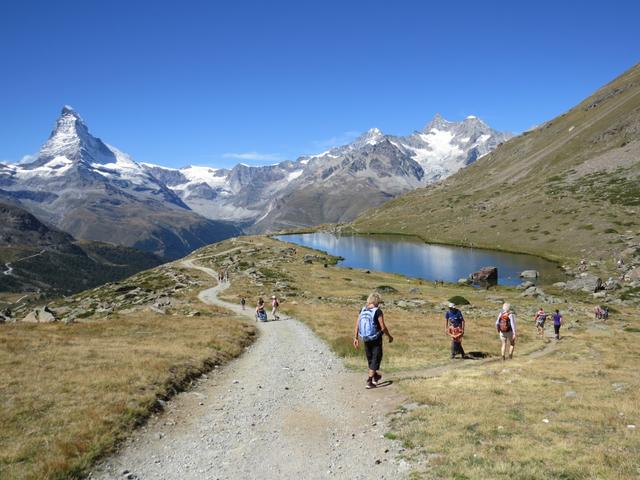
<point x="454" y="327"/>
<point x="261" y="314"/>
<point x="605" y="313"/>
<point x="506" y="326"/>
<point x="370" y="327"/>
<point x="557" y="323"/>
<point x="243" y="302"/>
<point x="540" y="317"/>
<point x="598" y="312"/>
<point x="274" y="307"/>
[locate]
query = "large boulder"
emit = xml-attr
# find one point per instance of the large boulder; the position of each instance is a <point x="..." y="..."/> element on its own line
<point x="485" y="275"/>
<point x="632" y="275"/>
<point x="611" y="284"/>
<point x="40" y="315"/>
<point x="585" y="282"/>
<point x="526" y="284"/>
<point x="534" y="292"/>
<point x="529" y="274"/>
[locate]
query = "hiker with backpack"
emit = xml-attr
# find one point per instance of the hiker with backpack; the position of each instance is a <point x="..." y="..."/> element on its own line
<point x="243" y="302"/>
<point x="274" y="307"/>
<point x="454" y="328"/>
<point x="540" y="317"/>
<point x="261" y="314"/>
<point x="506" y="326"/>
<point x="370" y="327"/>
<point x="557" y="323"/>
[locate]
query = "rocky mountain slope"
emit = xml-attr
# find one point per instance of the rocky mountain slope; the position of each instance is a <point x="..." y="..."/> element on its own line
<point x="567" y="189"/>
<point x="35" y="257"/>
<point x="96" y="192"/>
<point x="335" y="185"/>
<point x="339" y="184"/>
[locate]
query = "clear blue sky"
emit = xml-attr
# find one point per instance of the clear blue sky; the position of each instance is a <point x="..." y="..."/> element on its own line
<point x="211" y="83"/>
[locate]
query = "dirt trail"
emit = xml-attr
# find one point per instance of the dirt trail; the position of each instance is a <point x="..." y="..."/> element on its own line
<point x="287" y="408"/>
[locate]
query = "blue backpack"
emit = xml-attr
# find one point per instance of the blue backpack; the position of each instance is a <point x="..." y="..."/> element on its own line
<point x="368" y="328"/>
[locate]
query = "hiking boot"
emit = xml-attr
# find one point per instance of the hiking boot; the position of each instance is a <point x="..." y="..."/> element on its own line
<point x="376" y="379"/>
<point x="370" y="383"/>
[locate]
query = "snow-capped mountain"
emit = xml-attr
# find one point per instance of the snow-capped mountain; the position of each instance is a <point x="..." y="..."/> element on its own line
<point x="443" y="147"/>
<point x="341" y="183"/>
<point x="94" y="191"/>
<point x="335" y="185"/>
<point x="241" y="194"/>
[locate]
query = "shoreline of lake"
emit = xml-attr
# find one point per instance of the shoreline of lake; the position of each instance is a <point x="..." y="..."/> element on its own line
<point x="438" y="262"/>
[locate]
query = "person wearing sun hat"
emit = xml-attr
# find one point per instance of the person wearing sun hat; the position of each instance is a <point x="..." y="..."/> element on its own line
<point x="274" y="307"/>
<point x="454" y="328"/>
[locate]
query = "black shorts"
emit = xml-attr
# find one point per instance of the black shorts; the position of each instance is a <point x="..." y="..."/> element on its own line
<point x="373" y="350"/>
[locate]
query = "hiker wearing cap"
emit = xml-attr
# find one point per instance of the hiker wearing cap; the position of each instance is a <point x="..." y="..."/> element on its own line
<point x="506" y="326"/>
<point x="454" y="328"/>
<point x="370" y="327"/>
<point x="274" y="307"/>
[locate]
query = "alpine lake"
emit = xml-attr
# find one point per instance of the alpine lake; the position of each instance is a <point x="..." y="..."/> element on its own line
<point x="412" y="257"/>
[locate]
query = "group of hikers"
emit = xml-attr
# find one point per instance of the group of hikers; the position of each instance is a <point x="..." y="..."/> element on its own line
<point x="601" y="313"/>
<point x="370" y="328"/>
<point x="261" y="313"/>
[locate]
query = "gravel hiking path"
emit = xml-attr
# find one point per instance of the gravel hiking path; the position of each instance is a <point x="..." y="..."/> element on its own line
<point x="285" y="409"/>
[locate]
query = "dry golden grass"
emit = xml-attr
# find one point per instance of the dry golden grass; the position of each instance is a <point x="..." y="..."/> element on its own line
<point x="562" y="416"/>
<point x="479" y="419"/>
<point x="70" y="393"/>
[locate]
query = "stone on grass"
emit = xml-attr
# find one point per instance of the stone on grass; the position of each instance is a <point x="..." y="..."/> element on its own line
<point x="40" y="315"/>
<point x="585" y="282"/>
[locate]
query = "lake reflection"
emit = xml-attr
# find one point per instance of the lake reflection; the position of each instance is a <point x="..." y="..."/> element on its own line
<point x="411" y="257"/>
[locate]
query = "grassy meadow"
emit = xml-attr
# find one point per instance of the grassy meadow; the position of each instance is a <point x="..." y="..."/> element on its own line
<point x="561" y="409"/>
<point x="70" y="393"/>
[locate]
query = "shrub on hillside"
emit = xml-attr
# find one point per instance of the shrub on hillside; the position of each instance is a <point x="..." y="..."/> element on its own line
<point x="459" y="300"/>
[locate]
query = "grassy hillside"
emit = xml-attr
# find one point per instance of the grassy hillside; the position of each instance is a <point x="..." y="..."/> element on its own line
<point x="563" y="409"/>
<point x="568" y="189"/>
<point x="70" y="392"/>
<point x="37" y="258"/>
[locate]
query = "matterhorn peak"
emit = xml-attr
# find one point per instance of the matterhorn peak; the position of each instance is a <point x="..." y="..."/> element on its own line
<point x="69" y="124"/>
<point x="70" y="138"/>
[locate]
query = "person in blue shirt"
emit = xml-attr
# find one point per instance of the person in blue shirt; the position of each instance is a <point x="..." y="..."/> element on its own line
<point x="454" y="328"/>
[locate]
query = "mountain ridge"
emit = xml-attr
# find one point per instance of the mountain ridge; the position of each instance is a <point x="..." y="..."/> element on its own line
<point x="270" y="197"/>
<point x="36" y="257"/>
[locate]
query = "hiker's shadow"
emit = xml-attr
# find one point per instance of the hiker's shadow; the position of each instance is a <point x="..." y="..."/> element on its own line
<point x="386" y="383"/>
<point x="476" y="355"/>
